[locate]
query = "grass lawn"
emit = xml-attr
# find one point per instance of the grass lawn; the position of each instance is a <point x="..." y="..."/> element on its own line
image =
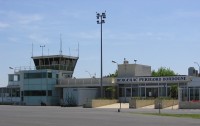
<point x="195" y="116"/>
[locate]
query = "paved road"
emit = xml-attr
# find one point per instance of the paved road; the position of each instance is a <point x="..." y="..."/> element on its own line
<point x="60" y="116"/>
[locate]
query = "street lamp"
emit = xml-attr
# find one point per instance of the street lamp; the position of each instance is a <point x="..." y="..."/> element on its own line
<point x="114" y="62"/>
<point x="88" y="73"/>
<point x="42" y="48"/>
<point x="198" y="66"/>
<point x="118" y="93"/>
<point x="135" y="61"/>
<point x="100" y="20"/>
<point x="11" y="68"/>
<point x="117" y="66"/>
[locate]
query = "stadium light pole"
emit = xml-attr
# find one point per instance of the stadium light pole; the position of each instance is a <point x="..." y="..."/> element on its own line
<point x="198" y="66"/>
<point x="100" y="20"/>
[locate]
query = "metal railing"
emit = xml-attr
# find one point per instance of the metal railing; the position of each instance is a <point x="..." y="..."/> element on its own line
<point x="73" y="82"/>
<point x="22" y="68"/>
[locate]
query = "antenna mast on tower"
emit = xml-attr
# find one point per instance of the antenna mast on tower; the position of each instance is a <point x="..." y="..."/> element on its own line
<point x="32" y="49"/>
<point x="78" y="49"/>
<point x="60" y="44"/>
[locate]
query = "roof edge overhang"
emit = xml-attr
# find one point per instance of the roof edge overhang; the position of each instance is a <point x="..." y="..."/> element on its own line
<point x="54" y="56"/>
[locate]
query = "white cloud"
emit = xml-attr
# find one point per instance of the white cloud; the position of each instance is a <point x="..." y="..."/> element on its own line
<point x="22" y="18"/>
<point x="187" y="14"/>
<point x="38" y="39"/>
<point x="26" y="19"/>
<point x="86" y="35"/>
<point x="76" y="14"/>
<point x="13" y="39"/>
<point x="4" y="25"/>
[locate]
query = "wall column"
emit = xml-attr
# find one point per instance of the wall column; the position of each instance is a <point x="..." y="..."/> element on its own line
<point x="138" y="91"/>
<point x="166" y="89"/>
<point x="158" y="90"/>
<point x="145" y="91"/>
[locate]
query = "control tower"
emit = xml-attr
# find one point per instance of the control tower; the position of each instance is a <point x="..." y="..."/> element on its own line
<point x="55" y="62"/>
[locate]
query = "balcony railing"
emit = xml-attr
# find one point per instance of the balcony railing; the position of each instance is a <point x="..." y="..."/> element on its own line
<point x="83" y="82"/>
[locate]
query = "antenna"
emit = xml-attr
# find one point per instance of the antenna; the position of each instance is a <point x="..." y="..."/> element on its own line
<point x="32" y="49"/>
<point x="78" y="49"/>
<point x="69" y="52"/>
<point x="30" y="64"/>
<point x="42" y="48"/>
<point x="60" y="44"/>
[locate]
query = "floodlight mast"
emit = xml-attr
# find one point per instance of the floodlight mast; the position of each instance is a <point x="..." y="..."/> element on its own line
<point x="100" y="20"/>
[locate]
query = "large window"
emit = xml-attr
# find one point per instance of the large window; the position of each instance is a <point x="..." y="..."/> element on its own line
<point x="14" y="77"/>
<point x="49" y="75"/>
<point x="37" y="93"/>
<point x="121" y="92"/>
<point x="37" y="75"/>
<point x="135" y="92"/>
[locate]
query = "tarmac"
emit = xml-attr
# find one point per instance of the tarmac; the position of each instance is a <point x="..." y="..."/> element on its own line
<point x="104" y="116"/>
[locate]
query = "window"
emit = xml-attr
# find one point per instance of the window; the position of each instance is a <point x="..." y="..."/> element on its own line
<point x="49" y="75"/>
<point x="121" y="92"/>
<point x="35" y="75"/>
<point x="35" y="93"/>
<point x="49" y="93"/>
<point x="128" y="92"/>
<point x="14" y="77"/>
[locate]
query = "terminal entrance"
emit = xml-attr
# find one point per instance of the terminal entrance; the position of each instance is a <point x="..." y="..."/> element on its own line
<point x="143" y="91"/>
<point x="149" y="90"/>
<point x="152" y="92"/>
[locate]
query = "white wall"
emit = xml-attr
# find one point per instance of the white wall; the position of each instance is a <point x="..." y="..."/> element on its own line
<point x="81" y="95"/>
<point x="195" y="82"/>
<point x="131" y="70"/>
<point x="86" y="94"/>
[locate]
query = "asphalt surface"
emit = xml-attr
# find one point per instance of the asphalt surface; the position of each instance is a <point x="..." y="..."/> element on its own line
<point x="78" y="116"/>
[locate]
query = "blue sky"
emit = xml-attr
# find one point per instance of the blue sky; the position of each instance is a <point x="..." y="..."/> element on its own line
<point x="155" y="32"/>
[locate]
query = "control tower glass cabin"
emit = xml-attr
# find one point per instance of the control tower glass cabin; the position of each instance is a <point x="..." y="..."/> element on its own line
<point x="56" y="62"/>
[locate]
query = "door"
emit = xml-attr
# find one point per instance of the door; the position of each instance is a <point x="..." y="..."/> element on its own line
<point x="127" y="94"/>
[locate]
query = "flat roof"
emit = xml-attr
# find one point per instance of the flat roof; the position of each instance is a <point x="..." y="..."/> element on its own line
<point x="54" y="56"/>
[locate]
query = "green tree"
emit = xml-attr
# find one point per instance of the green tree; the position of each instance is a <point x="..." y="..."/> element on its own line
<point x="174" y="91"/>
<point x="162" y="71"/>
<point x="113" y="75"/>
<point x="111" y="90"/>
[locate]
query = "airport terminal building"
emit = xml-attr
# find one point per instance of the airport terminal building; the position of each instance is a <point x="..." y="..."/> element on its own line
<point x="36" y="86"/>
<point x="51" y="82"/>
